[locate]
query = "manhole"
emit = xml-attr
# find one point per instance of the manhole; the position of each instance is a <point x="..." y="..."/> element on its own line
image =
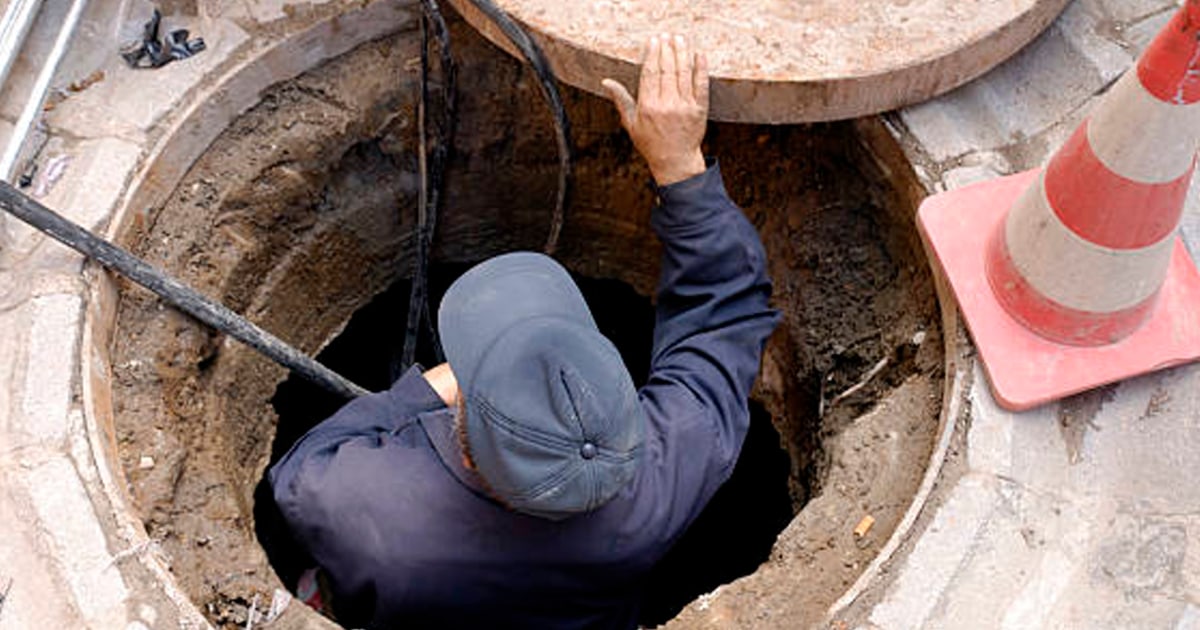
<point x="300" y="215"/>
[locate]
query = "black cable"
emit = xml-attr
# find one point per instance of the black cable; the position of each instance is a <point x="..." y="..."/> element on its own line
<point x="546" y="80"/>
<point x="432" y="176"/>
<point x="416" y="295"/>
<point x="441" y="152"/>
<point x="185" y="298"/>
<point x="433" y="163"/>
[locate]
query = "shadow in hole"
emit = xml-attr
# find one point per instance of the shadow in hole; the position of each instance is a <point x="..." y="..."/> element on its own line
<point x="732" y="536"/>
<point x="735" y="532"/>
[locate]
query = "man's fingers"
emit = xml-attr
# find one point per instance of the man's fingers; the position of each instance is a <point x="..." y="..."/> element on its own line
<point x="620" y="97"/>
<point x="670" y="85"/>
<point x="700" y="81"/>
<point x="651" y="71"/>
<point x="684" y="78"/>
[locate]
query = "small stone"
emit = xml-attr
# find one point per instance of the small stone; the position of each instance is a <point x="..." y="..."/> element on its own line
<point x="146" y="462"/>
<point x="279" y="603"/>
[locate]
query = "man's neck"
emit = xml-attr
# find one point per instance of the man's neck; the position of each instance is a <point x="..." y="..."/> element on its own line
<point x="442" y="380"/>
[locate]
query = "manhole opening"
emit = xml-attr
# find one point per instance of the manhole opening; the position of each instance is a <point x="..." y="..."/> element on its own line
<point x="302" y="211"/>
<point x="732" y="536"/>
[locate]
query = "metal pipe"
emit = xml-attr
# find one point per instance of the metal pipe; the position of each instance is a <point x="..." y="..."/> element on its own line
<point x="33" y="106"/>
<point x="183" y="297"/>
<point x="14" y="26"/>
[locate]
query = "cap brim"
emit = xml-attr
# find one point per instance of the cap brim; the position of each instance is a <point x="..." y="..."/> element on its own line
<point x="496" y="294"/>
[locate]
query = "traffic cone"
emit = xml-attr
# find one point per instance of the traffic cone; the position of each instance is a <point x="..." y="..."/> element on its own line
<point x="1074" y="276"/>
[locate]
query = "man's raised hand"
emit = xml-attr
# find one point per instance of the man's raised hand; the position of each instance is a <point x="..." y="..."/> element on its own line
<point x="667" y="121"/>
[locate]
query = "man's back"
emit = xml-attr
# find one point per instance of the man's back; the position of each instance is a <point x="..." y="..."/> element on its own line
<point x="408" y="534"/>
<point x="407" y="531"/>
<point x="418" y="542"/>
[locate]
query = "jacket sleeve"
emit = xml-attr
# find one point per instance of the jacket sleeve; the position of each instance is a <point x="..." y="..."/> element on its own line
<point x="712" y="321"/>
<point x="306" y="467"/>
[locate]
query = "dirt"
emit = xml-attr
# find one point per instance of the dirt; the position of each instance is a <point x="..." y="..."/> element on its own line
<point x="860" y="317"/>
<point x="1076" y="416"/>
<point x="265" y="206"/>
<point x="302" y="210"/>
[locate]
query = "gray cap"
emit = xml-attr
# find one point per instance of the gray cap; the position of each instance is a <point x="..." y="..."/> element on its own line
<point x="552" y="417"/>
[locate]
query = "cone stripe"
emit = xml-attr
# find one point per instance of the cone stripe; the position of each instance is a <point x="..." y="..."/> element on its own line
<point x="1051" y="319"/>
<point x="1084" y="251"/>
<point x="1158" y="149"/>
<point x="1168" y="67"/>
<point x="1105" y="208"/>
<point x="1073" y="272"/>
<point x="1061" y="285"/>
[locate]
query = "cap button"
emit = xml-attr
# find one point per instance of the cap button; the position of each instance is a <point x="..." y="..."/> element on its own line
<point x="588" y="450"/>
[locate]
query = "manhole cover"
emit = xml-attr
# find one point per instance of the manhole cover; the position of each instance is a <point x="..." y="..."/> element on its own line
<point x="787" y="61"/>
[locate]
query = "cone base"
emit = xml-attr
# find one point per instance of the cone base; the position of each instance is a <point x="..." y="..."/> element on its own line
<point x="1026" y="370"/>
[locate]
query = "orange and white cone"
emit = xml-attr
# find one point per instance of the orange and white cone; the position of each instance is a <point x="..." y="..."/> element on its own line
<point x="1082" y="279"/>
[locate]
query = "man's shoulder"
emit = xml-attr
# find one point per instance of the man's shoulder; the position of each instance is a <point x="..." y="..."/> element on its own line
<point x="685" y="460"/>
<point x="675" y="415"/>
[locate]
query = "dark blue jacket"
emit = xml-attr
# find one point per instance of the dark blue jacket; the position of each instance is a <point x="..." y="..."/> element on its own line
<point x="379" y="496"/>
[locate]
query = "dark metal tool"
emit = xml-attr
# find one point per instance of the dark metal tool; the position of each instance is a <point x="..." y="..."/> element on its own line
<point x="150" y="52"/>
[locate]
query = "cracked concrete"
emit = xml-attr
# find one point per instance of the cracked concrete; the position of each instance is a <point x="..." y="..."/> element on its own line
<point x="1081" y="513"/>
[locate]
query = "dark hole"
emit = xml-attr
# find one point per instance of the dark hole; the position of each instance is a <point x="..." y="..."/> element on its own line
<point x="734" y="533"/>
<point x="732" y="536"/>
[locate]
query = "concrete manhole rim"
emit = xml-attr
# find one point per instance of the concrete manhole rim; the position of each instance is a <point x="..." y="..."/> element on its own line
<point x="205" y="114"/>
<point x="958" y="370"/>
<point x="800" y="98"/>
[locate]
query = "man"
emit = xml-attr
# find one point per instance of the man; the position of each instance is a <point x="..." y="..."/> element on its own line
<point x="526" y="484"/>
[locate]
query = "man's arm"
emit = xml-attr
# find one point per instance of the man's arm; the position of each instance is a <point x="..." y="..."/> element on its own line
<point x="712" y="315"/>
<point x="311" y="457"/>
